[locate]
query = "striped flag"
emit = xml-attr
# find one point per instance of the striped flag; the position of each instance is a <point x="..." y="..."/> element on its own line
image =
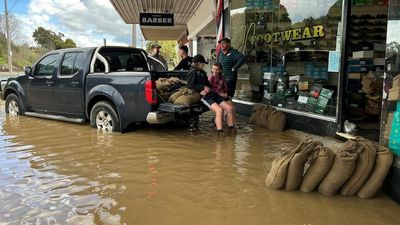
<point x="220" y="22"/>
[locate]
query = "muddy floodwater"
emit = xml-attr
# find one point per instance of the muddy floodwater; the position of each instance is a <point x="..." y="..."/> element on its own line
<point x="62" y="173"/>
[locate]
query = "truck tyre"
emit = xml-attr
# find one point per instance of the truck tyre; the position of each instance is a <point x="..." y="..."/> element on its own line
<point x="104" y="117"/>
<point x="14" y="105"/>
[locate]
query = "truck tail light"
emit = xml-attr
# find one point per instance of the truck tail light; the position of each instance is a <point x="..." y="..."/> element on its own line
<point x="150" y="92"/>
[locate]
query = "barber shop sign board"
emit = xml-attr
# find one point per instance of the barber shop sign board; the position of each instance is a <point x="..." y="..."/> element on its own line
<point x="156" y="19"/>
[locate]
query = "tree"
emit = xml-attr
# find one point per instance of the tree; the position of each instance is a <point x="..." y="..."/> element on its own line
<point x="15" y="26"/>
<point x="69" y="43"/>
<point x="50" y="40"/>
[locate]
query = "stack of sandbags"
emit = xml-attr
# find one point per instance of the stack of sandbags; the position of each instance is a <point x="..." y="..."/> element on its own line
<point x="358" y="167"/>
<point x="284" y="175"/>
<point x="320" y="165"/>
<point x="167" y="86"/>
<point x="268" y="117"/>
<point x="383" y="162"/>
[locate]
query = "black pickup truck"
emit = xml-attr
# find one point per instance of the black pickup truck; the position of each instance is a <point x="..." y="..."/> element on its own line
<point x="112" y="87"/>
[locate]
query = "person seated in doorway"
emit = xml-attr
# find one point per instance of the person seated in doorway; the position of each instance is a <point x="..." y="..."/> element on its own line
<point x="186" y="60"/>
<point x="156" y="53"/>
<point x="197" y="80"/>
<point x="219" y="86"/>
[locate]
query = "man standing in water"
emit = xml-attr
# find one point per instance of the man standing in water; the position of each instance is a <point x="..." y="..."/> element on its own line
<point x="231" y="60"/>
<point x="155" y="52"/>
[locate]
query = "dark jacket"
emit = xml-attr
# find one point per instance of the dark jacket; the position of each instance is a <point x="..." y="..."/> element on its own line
<point x="197" y="79"/>
<point x="184" y="64"/>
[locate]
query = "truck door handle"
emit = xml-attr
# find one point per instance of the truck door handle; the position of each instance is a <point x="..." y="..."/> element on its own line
<point x="75" y="83"/>
<point x="49" y="83"/>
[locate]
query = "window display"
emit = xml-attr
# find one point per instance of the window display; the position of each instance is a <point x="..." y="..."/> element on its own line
<point x="288" y="44"/>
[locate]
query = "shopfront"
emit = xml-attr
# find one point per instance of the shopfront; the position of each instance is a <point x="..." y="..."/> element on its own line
<point x="325" y="63"/>
<point x="309" y="58"/>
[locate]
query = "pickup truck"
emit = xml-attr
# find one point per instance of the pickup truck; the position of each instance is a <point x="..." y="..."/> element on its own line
<point x="111" y="87"/>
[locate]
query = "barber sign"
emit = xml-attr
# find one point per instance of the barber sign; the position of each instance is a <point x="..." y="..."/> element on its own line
<point x="156" y="19"/>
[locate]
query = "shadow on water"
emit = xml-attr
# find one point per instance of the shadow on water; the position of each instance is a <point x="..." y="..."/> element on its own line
<point x="55" y="173"/>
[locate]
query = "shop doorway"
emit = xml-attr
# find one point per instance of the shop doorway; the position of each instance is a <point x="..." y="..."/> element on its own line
<point x="366" y="43"/>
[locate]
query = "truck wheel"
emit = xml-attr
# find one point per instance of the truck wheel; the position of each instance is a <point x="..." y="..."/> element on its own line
<point x="104" y="117"/>
<point x="14" y="106"/>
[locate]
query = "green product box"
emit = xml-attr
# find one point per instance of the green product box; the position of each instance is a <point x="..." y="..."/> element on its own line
<point x="322" y="102"/>
<point x="312" y="101"/>
<point x="326" y="93"/>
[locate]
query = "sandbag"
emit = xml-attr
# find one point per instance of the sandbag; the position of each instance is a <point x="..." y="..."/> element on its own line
<point x="175" y="95"/>
<point x="169" y="84"/>
<point x="262" y="120"/>
<point x="276" y="177"/>
<point x="276" y="121"/>
<point x="383" y="162"/>
<point x="256" y="112"/>
<point x="162" y="84"/>
<point x="342" y="169"/>
<point x="364" y="165"/>
<point x="319" y="166"/>
<point x="296" y="167"/>
<point x="187" y="100"/>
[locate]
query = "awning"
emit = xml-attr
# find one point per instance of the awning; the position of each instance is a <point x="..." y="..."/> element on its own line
<point x="183" y="11"/>
<point x="204" y="17"/>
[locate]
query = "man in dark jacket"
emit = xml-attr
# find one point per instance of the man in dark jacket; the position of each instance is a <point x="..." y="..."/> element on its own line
<point x="231" y="60"/>
<point x="186" y="61"/>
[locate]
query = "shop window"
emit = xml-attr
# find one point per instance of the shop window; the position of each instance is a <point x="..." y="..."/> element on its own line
<point x="287" y="45"/>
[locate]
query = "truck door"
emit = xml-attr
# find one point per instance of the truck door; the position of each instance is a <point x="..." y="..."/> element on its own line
<point x="68" y="86"/>
<point x="39" y="88"/>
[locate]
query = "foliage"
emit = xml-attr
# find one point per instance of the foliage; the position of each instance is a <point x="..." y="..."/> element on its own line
<point x="48" y="39"/>
<point x="168" y="51"/>
<point x="23" y="55"/>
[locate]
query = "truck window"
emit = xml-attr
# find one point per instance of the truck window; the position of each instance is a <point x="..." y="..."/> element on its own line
<point x="46" y="66"/>
<point x="120" y="60"/>
<point x="71" y="64"/>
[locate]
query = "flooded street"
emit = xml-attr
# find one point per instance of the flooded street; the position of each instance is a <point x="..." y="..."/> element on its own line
<point x="62" y="173"/>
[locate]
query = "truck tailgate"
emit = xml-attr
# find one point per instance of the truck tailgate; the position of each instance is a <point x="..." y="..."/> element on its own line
<point x="181" y="109"/>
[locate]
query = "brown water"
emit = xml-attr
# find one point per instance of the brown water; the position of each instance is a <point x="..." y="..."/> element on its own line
<point x="60" y="173"/>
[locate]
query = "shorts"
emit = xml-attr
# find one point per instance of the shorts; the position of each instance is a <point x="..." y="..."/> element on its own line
<point x="231" y="85"/>
<point x="211" y="98"/>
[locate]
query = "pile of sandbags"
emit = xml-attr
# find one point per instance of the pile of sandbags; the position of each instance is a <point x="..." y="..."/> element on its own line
<point x="167" y="86"/>
<point x="184" y="96"/>
<point x="268" y="117"/>
<point x="357" y="168"/>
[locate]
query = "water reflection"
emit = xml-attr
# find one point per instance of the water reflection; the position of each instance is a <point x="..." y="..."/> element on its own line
<point x="60" y="173"/>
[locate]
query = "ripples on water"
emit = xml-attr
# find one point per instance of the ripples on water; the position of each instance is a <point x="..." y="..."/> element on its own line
<point x="60" y="173"/>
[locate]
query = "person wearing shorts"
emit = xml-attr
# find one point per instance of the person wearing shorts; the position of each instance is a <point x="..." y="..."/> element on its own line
<point x="198" y="81"/>
<point x="219" y="86"/>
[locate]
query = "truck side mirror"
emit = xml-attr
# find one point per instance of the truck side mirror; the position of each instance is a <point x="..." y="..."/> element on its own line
<point x="28" y="70"/>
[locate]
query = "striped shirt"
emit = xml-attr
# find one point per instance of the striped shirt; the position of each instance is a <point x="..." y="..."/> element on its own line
<point x="231" y="62"/>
